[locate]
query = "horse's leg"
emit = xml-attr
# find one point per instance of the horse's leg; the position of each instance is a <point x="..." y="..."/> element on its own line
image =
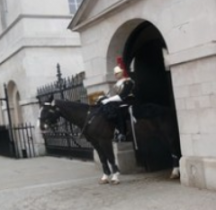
<point x="106" y="170"/>
<point x="108" y="150"/>
<point x="175" y="171"/>
<point x="168" y="134"/>
<point x="175" y="155"/>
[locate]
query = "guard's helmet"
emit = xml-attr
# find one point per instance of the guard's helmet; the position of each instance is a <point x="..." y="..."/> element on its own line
<point x="117" y="70"/>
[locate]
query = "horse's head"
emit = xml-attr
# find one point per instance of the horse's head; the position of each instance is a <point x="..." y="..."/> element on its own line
<point x="49" y="115"/>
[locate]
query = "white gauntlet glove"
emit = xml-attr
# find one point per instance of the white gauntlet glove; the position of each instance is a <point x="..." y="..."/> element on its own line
<point x="115" y="98"/>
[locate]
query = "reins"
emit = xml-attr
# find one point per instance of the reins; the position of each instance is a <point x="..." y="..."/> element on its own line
<point x="86" y="122"/>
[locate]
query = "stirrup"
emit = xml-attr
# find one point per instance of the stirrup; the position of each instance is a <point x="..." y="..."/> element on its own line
<point x="121" y="137"/>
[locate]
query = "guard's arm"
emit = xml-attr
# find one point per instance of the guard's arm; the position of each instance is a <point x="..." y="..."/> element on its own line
<point x="127" y="89"/>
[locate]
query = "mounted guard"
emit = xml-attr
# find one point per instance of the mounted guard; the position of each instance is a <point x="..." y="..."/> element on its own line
<point x="91" y="120"/>
<point x="119" y="102"/>
<point x="80" y="113"/>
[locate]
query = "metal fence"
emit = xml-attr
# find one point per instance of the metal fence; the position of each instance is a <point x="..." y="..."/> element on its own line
<point x="16" y="141"/>
<point x="64" y="140"/>
<point x="6" y="145"/>
<point x="21" y="145"/>
<point x="24" y="141"/>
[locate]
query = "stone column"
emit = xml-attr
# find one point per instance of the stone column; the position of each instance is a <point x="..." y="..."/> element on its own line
<point x="125" y="157"/>
<point x="194" y="83"/>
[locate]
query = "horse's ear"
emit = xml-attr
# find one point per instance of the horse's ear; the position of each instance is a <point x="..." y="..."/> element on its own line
<point x="52" y="102"/>
<point x="50" y="99"/>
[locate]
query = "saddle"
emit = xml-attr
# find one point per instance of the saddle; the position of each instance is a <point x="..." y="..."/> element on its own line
<point x="109" y="110"/>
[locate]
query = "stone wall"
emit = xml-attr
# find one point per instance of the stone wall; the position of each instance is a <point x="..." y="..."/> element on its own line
<point x="35" y="40"/>
<point x="195" y="94"/>
<point x="188" y="28"/>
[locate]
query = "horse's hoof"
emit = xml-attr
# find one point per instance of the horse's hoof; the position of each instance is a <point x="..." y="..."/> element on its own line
<point x="103" y="181"/>
<point x="175" y="173"/>
<point x="174" y="176"/>
<point x="115" y="182"/>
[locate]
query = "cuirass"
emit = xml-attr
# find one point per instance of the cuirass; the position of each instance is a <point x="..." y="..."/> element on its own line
<point x="118" y="87"/>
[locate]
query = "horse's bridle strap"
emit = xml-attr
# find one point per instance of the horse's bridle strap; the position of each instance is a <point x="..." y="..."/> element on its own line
<point x="86" y="123"/>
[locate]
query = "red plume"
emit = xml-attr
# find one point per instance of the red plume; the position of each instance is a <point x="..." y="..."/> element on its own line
<point x="120" y="63"/>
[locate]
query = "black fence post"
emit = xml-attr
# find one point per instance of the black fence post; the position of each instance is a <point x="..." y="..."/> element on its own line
<point x="31" y="139"/>
<point x="12" y="143"/>
<point x="61" y="84"/>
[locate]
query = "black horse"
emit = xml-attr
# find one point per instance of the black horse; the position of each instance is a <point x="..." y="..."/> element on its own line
<point x="100" y="132"/>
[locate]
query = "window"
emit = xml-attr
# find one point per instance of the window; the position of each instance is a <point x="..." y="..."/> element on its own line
<point x="74" y="5"/>
<point x="3" y="13"/>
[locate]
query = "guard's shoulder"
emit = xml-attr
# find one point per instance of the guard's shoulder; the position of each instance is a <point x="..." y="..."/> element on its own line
<point x="128" y="80"/>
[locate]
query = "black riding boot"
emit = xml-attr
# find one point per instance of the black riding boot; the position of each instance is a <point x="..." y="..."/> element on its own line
<point x="120" y="135"/>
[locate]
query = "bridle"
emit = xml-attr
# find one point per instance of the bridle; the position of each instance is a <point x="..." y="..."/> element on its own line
<point x="53" y="126"/>
<point x="87" y="122"/>
<point x="55" y="111"/>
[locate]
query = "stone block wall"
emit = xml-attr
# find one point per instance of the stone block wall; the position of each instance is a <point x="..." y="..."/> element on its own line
<point x="194" y="86"/>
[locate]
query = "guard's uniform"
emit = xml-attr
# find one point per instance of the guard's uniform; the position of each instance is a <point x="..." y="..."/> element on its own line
<point x="124" y="89"/>
<point x="123" y="94"/>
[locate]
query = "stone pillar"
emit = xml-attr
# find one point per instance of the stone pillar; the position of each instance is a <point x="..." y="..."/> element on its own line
<point x="194" y="84"/>
<point x="125" y="157"/>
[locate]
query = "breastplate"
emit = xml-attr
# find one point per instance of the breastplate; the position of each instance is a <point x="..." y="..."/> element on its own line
<point x="118" y="87"/>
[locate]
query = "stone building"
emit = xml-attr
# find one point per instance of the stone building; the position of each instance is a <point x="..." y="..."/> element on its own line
<point x="173" y="43"/>
<point x="33" y="39"/>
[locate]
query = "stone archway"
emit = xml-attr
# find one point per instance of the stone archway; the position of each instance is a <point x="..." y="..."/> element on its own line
<point x="118" y="41"/>
<point x="141" y="42"/>
<point x="145" y="47"/>
<point x="14" y="98"/>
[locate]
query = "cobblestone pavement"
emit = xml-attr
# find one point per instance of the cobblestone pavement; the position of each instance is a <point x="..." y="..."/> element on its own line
<point x="60" y="184"/>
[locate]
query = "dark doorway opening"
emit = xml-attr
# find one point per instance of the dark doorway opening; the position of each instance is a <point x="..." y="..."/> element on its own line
<point x="153" y="82"/>
<point x="144" y="49"/>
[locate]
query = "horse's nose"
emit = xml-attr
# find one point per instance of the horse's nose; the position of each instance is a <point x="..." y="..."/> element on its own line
<point x="43" y="126"/>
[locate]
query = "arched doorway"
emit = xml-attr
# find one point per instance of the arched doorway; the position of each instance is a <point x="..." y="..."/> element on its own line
<point x="14" y="98"/>
<point x="140" y="43"/>
<point x="145" y="47"/>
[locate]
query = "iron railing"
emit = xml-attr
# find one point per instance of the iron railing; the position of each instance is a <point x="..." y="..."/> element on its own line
<point x="23" y="140"/>
<point x="23" y="144"/>
<point x="64" y="140"/>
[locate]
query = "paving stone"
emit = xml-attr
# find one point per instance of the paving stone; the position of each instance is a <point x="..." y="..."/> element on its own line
<point x="61" y="184"/>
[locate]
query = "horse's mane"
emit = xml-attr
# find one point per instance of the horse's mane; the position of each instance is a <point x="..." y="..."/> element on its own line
<point x="74" y="104"/>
